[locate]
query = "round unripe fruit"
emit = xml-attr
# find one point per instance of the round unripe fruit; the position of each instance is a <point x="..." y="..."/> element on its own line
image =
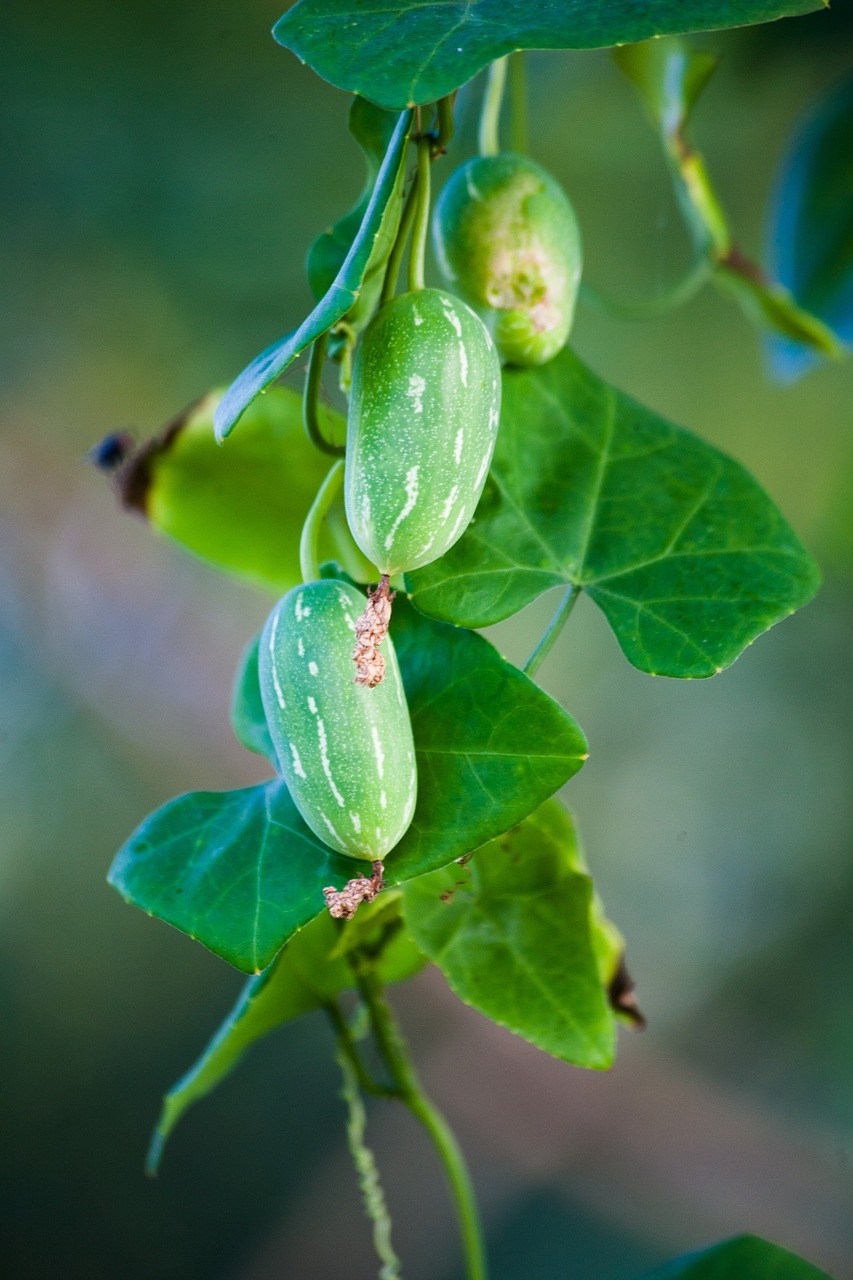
<point x="421" y="431"/>
<point x="507" y="239"/>
<point x="346" y="752"/>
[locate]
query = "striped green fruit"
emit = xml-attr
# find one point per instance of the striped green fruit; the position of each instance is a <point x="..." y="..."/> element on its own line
<point x="422" y="425"/>
<point x="507" y="239"/>
<point x="346" y="752"/>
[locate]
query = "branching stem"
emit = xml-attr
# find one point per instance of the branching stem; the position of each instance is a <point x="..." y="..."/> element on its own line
<point x="409" y="1090"/>
<point x="310" y="541"/>
<point x="555" y="626"/>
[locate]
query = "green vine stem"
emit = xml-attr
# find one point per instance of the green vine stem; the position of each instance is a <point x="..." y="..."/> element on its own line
<point x="373" y="1197"/>
<point x="417" y="255"/>
<point x="311" y="399"/>
<point x="518" y="103"/>
<point x="695" y="277"/>
<point x="395" y="257"/>
<point x="555" y="626"/>
<point x="490" y="113"/>
<point x="310" y="540"/>
<point x="409" y="1090"/>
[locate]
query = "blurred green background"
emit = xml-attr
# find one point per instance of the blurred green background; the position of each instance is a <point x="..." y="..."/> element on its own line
<point x="165" y="168"/>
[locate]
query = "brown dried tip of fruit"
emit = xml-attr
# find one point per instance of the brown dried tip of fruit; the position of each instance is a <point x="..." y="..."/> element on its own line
<point x="622" y="998"/>
<point x="370" y="630"/>
<point x="343" y="903"/>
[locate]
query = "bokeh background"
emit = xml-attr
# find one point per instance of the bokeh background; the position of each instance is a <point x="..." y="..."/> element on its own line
<point x="164" y="170"/>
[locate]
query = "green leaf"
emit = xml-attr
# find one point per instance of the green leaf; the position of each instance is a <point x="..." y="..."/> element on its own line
<point x="237" y="870"/>
<point x="401" y="53"/>
<point x="743" y="1258"/>
<point x="512" y="932"/>
<point x="240" y="511"/>
<point x="369" y="245"/>
<point x="309" y="972"/>
<point x="678" y="545"/>
<point x="247" y="709"/>
<point x="240" y="871"/>
<point x="809" y="245"/>
<point x="373" y="129"/>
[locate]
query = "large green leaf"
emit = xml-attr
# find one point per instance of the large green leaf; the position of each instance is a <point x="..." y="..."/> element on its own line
<point x="308" y="973"/>
<point x="810" y="235"/>
<point x="241" y="510"/>
<point x="490" y="745"/>
<point x="743" y="1258"/>
<point x="686" y="555"/>
<point x="370" y="245"/>
<point x="240" y="871"/>
<point x="513" y="932"/>
<point x="403" y="52"/>
<point x="237" y="870"/>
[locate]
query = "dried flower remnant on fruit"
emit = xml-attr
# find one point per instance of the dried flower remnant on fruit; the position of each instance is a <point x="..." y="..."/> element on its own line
<point x="622" y="999"/>
<point x="343" y="903"/>
<point x="370" y="630"/>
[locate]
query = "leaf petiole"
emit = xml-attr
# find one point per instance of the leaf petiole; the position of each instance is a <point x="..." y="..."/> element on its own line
<point x="555" y="626"/>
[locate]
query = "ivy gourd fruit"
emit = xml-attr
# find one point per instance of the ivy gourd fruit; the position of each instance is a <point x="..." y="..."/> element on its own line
<point x="506" y="237"/>
<point x="346" y="752"/>
<point x="421" y="430"/>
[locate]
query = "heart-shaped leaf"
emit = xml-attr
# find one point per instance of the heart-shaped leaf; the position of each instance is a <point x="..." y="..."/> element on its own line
<point x="743" y="1258"/>
<point x="513" y="931"/>
<point x="240" y="871"/>
<point x="401" y="53"/>
<point x="308" y="973"/>
<point x="371" y="243"/>
<point x="686" y="555"/>
<point x="809" y="245"/>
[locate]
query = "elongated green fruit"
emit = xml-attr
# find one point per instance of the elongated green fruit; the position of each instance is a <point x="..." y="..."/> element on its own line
<point x="346" y="752"/>
<point x="507" y="239"/>
<point x="421" y="431"/>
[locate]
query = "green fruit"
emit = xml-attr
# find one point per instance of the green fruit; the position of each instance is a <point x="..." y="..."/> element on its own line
<point x="507" y="239"/>
<point x="346" y="752"/>
<point x="422" y="425"/>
